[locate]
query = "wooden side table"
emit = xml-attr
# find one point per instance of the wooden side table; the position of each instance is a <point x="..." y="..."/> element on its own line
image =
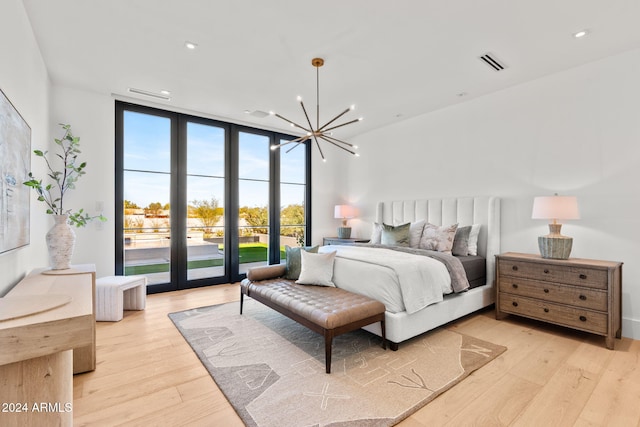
<point x="577" y="293"/>
<point x="42" y="346"/>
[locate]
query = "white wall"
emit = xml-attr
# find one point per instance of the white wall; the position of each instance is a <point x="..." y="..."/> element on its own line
<point x="575" y="133"/>
<point x="24" y="80"/>
<point x="92" y="119"/>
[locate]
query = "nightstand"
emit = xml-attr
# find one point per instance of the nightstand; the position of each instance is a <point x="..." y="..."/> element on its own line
<point x="338" y="241"/>
<point x="577" y="293"/>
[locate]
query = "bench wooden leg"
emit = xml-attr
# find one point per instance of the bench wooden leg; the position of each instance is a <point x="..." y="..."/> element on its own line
<point x="384" y="338"/>
<point x="328" y="342"/>
<point x="241" y="300"/>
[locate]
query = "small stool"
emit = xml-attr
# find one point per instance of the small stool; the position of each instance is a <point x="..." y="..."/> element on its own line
<point x="117" y="293"/>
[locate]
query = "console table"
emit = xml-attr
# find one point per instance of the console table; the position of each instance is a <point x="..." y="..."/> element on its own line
<point x="40" y="352"/>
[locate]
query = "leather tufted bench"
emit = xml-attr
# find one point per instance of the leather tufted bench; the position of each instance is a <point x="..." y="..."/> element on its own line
<point x="326" y="310"/>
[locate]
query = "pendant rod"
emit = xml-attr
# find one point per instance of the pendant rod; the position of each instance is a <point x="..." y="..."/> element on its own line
<point x="317" y="62"/>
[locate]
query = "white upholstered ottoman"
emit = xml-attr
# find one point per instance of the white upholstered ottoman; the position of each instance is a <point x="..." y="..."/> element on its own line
<point x="117" y="293"/>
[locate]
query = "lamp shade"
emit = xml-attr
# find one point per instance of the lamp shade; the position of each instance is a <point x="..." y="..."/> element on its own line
<point x="344" y="211"/>
<point x="555" y="207"/>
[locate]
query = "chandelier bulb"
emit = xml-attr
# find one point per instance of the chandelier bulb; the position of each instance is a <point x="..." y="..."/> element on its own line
<point x="360" y="119"/>
<point x="353" y="107"/>
<point x="299" y="98"/>
<point x="355" y="147"/>
<point x="274" y="147"/>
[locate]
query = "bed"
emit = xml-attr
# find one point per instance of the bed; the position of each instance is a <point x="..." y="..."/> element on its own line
<point x="356" y="275"/>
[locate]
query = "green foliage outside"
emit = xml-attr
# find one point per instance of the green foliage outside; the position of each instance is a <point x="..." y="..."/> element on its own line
<point x="250" y="252"/>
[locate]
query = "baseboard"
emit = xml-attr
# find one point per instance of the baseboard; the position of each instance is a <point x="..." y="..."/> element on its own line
<point x="631" y="328"/>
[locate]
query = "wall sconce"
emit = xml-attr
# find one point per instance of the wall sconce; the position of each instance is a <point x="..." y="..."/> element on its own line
<point x="555" y="245"/>
<point x="344" y="212"/>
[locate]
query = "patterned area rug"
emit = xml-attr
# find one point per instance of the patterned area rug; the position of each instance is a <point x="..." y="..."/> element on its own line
<point x="272" y="370"/>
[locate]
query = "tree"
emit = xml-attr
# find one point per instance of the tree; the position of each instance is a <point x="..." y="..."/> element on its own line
<point x="293" y="215"/>
<point x="255" y="217"/>
<point x="130" y="205"/>
<point x="154" y="210"/>
<point x="208" y="211"/>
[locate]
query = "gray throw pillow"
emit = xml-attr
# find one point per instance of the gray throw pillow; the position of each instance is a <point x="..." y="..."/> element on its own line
<point x="396" y="236"/>
<point x="294" y="262"/>
<point x="461" y="241"/>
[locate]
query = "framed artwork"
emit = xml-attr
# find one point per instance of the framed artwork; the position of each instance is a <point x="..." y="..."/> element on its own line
<point x="15" y="165"/>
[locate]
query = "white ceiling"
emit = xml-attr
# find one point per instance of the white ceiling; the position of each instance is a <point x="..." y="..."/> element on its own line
<point x="393" y="60"/>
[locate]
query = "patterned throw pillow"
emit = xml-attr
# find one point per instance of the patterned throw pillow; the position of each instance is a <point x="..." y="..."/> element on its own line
<point x="439" y="239"/>
<point x="294" y="261"/>
<point x="396" y="236"/>
<point x="415" y="232"/>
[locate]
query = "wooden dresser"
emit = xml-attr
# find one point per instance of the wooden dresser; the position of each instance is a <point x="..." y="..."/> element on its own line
<point x="577" y="293"/>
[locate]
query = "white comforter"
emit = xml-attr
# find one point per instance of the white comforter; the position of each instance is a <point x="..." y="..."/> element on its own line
<point x="401" y="281"/>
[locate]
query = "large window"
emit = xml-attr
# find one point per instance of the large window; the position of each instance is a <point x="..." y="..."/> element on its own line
<point x="201" y="201"/>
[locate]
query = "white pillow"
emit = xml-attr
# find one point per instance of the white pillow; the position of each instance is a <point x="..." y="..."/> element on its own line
<point x="473" y="239"/>
<point x="376" y="234"/>
<point x="415" y="233"/>
<point x="317" y="269"/>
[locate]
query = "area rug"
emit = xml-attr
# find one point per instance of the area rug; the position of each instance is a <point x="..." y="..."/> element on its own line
<point x="272" y="369"/>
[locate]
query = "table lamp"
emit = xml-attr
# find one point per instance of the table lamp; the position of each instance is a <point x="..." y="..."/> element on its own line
<point x="555" y="245"/>
<point x="344" y="212"/>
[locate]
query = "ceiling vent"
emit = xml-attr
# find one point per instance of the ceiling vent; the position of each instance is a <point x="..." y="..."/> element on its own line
<point x="151" y="94"/>
<point x="493" y="62"/>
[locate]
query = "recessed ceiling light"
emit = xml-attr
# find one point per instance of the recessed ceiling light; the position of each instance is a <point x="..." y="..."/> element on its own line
<point x="190" y="45"/>
<point x="580" y="33"/>
<point x="461" y="94"/>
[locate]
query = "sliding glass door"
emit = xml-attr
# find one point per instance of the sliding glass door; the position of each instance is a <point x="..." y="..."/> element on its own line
<point x="205" y="200"/>
<point x="146" y="195"/>
<point x="200" y="200"/>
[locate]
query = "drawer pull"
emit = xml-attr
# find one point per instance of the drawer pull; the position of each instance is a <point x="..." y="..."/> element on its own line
<point x="583" y="319"/>
<point x="546" y="271"/>
<point x="546" y="291"/>
<point x="583" y="276"/>
<point x="514" y="285"/>
<point x="515" y="304"/>
<point x="514" y="268"/>
<point x="583" y="297"/>
<point x="546" y="310"/>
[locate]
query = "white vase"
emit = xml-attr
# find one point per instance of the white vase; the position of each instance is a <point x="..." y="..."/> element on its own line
<point x="60" y="241"/>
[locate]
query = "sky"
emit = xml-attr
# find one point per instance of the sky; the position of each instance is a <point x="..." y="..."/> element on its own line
<point x="147" y="164"/>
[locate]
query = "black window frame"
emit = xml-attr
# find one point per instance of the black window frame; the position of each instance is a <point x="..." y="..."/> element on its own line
<point x="178" y="207"/>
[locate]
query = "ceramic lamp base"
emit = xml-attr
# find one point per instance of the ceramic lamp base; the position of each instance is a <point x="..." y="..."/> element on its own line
<point x="555" y="247"/>
<point x="344" y="232"/>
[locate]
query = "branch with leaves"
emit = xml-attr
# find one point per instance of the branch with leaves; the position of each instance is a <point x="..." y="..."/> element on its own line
<point x="52" y="194"/>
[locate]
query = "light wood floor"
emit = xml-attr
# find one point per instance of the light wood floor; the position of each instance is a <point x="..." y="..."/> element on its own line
<point x="148" y="375"/>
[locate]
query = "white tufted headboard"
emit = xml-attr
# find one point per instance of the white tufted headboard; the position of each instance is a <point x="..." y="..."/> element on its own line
<point x="462" y="210"/>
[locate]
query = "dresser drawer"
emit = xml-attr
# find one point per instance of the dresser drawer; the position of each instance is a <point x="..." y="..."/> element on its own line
<point x="577" y="318"/>
<point x="571" y="275"/>
<point x="577" y="296"/>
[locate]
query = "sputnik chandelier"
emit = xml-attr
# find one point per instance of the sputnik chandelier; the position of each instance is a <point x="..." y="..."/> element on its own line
<point x="324" y="132"/>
